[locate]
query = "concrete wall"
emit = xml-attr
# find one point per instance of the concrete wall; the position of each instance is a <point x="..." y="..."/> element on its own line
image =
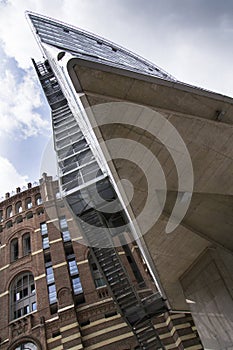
<point x="208" y="285"/>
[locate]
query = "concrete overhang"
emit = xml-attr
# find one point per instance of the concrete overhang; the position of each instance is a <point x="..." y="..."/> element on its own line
<point x="204" y="120"/>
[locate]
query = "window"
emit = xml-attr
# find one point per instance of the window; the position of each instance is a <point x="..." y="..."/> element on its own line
<point x="66" y="236"/>
<point x="26" y="244"/>
<point x="44" y="233"/>
<point x="50" y="279"/>
<point x="73" y="268"/>
<point x="63" y="222"/>
<point x="18" y="207"/>
<point x="52" y="293"/>
<point x="99" y="282"/>
<point x="28" y="203"/>
<point x="77" y="287"/>
<point x="26" y="346"/>
<point x="1" y="215"/>
<point x="9" y="212"/>
<point x="96" y="274"/>
<point x="74" y="274"/>
<point x="19" y="219"/>
<point x="29" y="215"/>
<point x="40" y="211"/>
<point x="38" y="199"/>
<point x="49" y="273"/>
<point x="64" y="229"/>
<point x="9" y="224"/>
<point x="23" y="296"/>
<point x="14" y="249"/>
<point x="43" y="228"/>
<point x="45" y="242"/>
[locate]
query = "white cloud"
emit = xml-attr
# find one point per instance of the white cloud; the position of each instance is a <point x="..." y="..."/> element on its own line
<point x="9" y="177"/>
<point x="191" y="41"/>
<point x="19" y="100"/>
<point x="15" y="32"/>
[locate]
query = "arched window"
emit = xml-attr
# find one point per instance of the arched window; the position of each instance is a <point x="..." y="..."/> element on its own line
<point x="29" y="215"/>
<point x="40" y="211"/>
<point x="9" y="212"/>
<point x="26" y="244"/>
<point x="9" y="224"/>
<point x="19" y="219"/>
<point x="23" y="296"/>
<point x="28" y="203"/>
<point x="14" y="249"/>
<point x="26" y="346"/>
<point x="18" y="207"/>
<point x="1" y="215"/>
<point x="38" y="199"/>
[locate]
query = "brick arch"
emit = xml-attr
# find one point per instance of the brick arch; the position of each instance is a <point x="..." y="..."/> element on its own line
<point x="20" y="271"/>
<point x="64" y="296"/>
<point x="25" y="339"/>
<point x="19" y="233"/>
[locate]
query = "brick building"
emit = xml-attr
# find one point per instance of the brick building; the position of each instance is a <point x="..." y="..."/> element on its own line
<point x="51" y="294"/>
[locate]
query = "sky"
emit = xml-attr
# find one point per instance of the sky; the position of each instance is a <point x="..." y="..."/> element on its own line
<point x="190" y="39"/>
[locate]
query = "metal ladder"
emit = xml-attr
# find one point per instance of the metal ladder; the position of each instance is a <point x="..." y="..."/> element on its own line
<point x="136" y="312"/>
<point x="123" y="292"/>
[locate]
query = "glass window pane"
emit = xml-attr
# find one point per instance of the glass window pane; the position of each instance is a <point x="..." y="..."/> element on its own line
<point x="77" y="287"/>
<point x="99" y="282"/>
<point x="49" y="275"/>
<point x="26" y="310"/>
<point x="28" y="203"/>
<point x="52" y="294"/>
<point x="14" y="250"/>
<point x="43" y="228"/>
<point x="26" y="244"/>
<point x="45" y="242"/>
<point x="63" y="222"/>
<point x="73" y="267"/>
<point x="66" y="236"/>
<point x="33" y="288"/>
<point x="38" y="200"/>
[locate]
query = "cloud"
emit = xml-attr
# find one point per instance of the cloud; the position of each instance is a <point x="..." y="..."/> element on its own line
<point x="10" y="178"/>
<point x="20" y="101"/>
<point x="190" y="39"/>
<point x="15" y="33"/>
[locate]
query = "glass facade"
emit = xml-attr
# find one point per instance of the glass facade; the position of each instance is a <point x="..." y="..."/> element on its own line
<point x="89" y="47"/>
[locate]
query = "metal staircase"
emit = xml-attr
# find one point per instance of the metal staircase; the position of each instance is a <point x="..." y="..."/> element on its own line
<point x="80" y="172"/>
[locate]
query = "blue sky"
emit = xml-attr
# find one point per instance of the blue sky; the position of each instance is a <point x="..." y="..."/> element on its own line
<point x="191" y="39"/>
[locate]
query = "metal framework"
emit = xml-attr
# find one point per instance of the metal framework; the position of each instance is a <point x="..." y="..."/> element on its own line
<point x="81" y="173"/>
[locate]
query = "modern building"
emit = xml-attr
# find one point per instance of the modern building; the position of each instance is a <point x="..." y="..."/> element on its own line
<point x="114" y="94"/>
<point x="52" y="295"/>
<point x="98" y="92"/>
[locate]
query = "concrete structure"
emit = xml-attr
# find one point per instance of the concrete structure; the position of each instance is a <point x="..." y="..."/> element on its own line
<point x="193" y="264"/>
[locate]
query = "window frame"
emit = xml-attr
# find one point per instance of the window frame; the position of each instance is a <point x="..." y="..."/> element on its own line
<point x="26" y="239"/>
<point x="14" y="250"/>
<point x="22" y="295"/>
<point x="28" y="204"/>
<point x="9" y="212"/>
<point x="38" y="199"/>
<point x="18" y="207"/>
